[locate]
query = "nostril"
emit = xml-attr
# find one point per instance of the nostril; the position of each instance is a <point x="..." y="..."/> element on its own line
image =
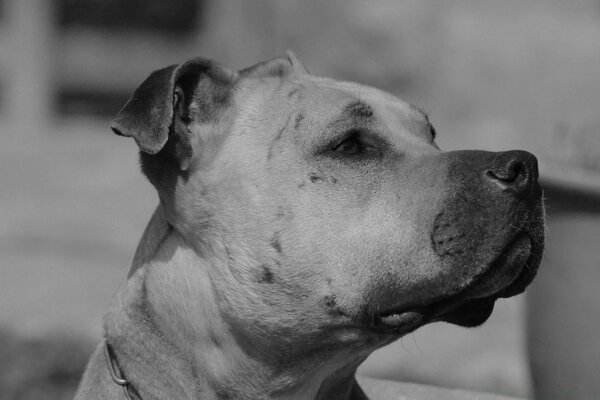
<point x="510" y="172"/>
<point x="515" y="171"/>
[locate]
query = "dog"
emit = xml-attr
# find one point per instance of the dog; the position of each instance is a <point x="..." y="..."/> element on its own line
<point x="303" y="223"/>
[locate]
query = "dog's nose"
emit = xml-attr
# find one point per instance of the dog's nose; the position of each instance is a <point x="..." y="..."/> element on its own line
<point x="515" y="171"/>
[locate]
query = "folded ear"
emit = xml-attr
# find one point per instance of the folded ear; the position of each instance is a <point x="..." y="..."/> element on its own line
<point x="296" y="64"/>
<point x="281" y="66"/>
<point x="169" y="100"/>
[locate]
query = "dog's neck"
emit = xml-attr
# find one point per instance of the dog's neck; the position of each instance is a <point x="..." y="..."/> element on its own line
<point x="171" y="341"/>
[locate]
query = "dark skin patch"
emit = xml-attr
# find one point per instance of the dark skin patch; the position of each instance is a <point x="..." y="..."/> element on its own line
<point x="314" y="177"/>
<point x="330" y="302"/>
<point x="224" y="394"/>
<point x="359" y="109"/>
<point x="275" y="243"/>
<point x="293" y="92"/>
<point x="333" y="179"/>
<point x="298" y="120"/>
<point x="277" y="138"/>
<point x="301" y="185"/>
<point x="266" y="276"/>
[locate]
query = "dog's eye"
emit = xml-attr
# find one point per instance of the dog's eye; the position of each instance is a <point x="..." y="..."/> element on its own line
<point x="352" y="145"/>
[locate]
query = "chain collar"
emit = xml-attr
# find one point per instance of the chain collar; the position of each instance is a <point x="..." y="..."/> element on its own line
<point x="115" y="374"/>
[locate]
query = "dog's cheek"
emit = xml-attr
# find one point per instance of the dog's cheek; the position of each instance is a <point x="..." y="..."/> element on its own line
<point x="385" y="257"/>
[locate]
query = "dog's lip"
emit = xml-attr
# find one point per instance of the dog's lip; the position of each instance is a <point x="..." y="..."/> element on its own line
<point x="474" y="304"/>
<point x="401" y="321"/>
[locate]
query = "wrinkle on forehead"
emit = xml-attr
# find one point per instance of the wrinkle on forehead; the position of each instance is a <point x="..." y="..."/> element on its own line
<point x="359" y="97"/>
<point x="318" y="103"/>
<point x="400" y="120"/>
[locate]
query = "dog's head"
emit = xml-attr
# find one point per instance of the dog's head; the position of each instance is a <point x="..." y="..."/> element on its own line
<point x="328" y="212"/>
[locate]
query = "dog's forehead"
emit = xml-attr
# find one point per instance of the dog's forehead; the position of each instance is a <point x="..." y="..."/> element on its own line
<point x="326" y="100"/>
<point x="335" y="96"/>
<point x="302" y="101"/>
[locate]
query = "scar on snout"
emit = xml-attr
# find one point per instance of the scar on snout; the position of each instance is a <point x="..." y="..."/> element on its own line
<point x="214" y="339"/>
<point x="229" y="256"/>
<point x="277" y="138"/>
<point x="275" y="243"/>
<point x="280" y="212"/>
<point x="293" y="92"/>
<point x="297" y="120"/>
<point x="284" y="213"/>
<point x="266" y="275"/>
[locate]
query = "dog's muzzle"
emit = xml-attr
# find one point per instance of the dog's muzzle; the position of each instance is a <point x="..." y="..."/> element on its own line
<point x="497" y="200"/>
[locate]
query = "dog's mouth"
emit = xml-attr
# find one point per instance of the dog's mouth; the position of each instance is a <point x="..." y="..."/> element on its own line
<point x="508" y="275"/>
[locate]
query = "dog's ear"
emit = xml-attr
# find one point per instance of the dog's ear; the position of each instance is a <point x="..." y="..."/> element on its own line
<point x="296" y="64"/>
<point x="281" y="66"/>
<point x="169" y="100"/>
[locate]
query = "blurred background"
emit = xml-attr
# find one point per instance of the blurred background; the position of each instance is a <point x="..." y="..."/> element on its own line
<point x="493" y="75"/>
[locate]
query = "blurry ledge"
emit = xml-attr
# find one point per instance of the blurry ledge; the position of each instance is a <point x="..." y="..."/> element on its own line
<point x="570" y="162"/>
<point x="393" y="390"/>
